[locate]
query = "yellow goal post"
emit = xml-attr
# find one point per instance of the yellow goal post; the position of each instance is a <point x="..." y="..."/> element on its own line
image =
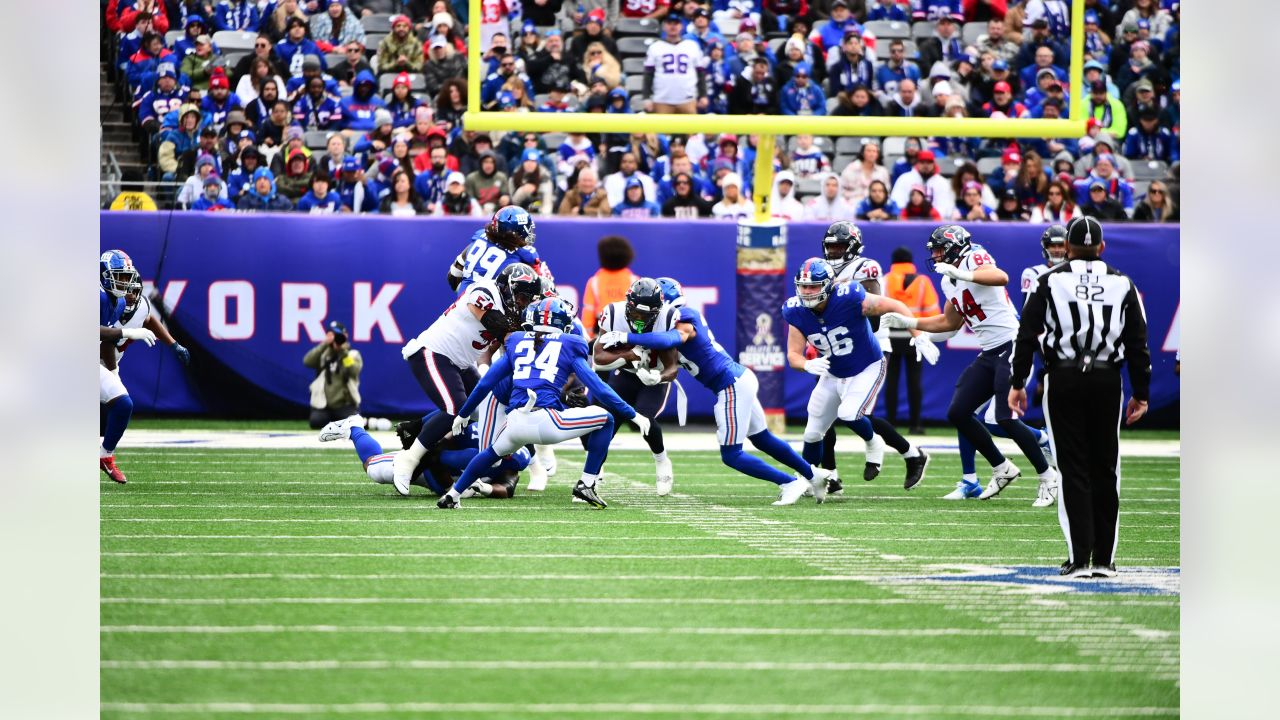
<point x="769" y="126"/>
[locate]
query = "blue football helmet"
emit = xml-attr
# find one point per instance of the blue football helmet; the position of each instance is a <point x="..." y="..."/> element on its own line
<point x="952" y="240"/>
<point x="548" y="315"/>
<point x="511" y="227"/>
<point x="116" y="272"/>
<point x="814" y="273"/>
<point x="672" y="292"/>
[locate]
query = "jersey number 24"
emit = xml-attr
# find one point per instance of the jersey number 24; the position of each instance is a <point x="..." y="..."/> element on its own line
<point x="528" y="359"/>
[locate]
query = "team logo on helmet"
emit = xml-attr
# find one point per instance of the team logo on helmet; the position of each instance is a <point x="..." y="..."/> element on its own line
<point x="813" y="282"/>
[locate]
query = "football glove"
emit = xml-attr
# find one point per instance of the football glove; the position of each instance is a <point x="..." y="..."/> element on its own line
<point x="954" y="272"/>
<point x="649" y="376"/>
<point x="459" y="424"/>
<point x="817" y="366"/>
<point x="643" y="423"/>
<point x="611" y="338"/>
<point x="142" y="334"/>
<point x="184" y="355"/>
<point x="925" y="349"/>
<point x="575" y="397"/>
<point x="897" y="320"/>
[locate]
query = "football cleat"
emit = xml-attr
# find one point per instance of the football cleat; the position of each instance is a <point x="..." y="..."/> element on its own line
<point x="1105" y="571"/>
<point x="408" y="431"/>
<point x="402" y="468"/>
<point x="874" y="455"/>
<point x="915" y="469"/>
<point x="537" y="476"/>
<point x="666" y="477"/>
<point x="965" y="491"/>
<point x="1047" y="448"/>
<point x="1047" y="493"/>
<point x="547" y="457"/>
<point x="340" y="429"/>
<point x="587" y="494"/>
<point x="834" y="486"/>
<point x="1000" y="479"/>
<point x="448" y="502"/>
<point x="792" y="491"/>
<point x="1075" y="571"/>
<point x="108" y="465"/>
<point x="870" y="471"/>
<point x="818" y="484"/>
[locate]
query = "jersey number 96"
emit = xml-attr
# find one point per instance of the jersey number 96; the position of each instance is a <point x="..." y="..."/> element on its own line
<point x="835" y="342"/>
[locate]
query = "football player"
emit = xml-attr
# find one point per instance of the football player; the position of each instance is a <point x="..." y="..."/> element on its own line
<point x="977" y="296"/>
<point x="738" y="413"/>
<point x="645" y="387"/>
<point x="507" y="239"/>
<point x="539" y="361"/>
<point x="439" y="467"/>
<point x="833" y="317"/>
<point x="444" y="357"/>
<point x="842" y="249"/>
<point x="116" y="276"/>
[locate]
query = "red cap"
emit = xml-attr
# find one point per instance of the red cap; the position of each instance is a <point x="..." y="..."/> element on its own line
<point x="401" y="79"/>
<point x="728" y="138"/>
<point x="219" y="81"/>
<point x="924" y="156"/>
<point x="1002" y="86"/>
<point x="1011" y="156"/>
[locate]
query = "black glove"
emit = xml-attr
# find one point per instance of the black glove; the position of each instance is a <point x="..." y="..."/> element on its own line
<point x="408" y="431"/>
<point x="575" y="397"/>
<point x="184" y="355"/>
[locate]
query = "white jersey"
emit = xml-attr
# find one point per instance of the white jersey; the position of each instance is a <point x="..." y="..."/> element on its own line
<point x="614" y="317"/>
<point x="857" y="270"/>
<point x="458" y="334"/>
<point x="1029" y="278"/>
<point x="675" y="70"/>
<point x="986" y="309"/>
<point x="136" y="320"/>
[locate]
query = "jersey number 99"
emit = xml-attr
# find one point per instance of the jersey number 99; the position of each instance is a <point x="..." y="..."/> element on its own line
<point x="483" y="261"/>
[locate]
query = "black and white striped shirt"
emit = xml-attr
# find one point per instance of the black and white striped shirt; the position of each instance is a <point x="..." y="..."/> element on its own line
<point x="1085" y="306"/>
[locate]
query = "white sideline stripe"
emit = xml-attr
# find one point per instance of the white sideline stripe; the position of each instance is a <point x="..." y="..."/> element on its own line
<point x="763" y="494"/>
<point x="832" y="554"/>
<point x="526" y="538"/>
<point x="476" y="576"/>
<point x="609" y="709"/>
<point x="423" y="507"/>
<point x="660" y="665"/>
<point x="543" y="521"/>
<point x="519" y="600"/>
<point x="545" y="630"/>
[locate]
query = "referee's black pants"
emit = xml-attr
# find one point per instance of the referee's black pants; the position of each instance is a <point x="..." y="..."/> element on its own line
<point x="903" y="352"/>
<point x="1083" y="412"/>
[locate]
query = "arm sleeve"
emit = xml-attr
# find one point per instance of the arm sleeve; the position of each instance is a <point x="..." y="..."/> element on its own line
<point x="656" y="340"/>
<point x="600" y="392"/>
<point x="1029" y="329"/>
<point x="648" y="82"/>
<point x="312" y="358"/>
<point x="1136" y="352"/>
<point x="500" y="370"/>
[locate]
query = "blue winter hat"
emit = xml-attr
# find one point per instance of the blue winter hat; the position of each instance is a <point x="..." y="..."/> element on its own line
<point x="803" y="69"/>
<point x="506" y="99"/>
<point x="553" y="32"/>
<point x="618" y="92"/>
<point x="1091" y="16"/>
<point x="529" y="27"/>
<point x="999" y="64"/>
<point x="531" y="154"/>
<point x="247" y="133"/>
<point x="349" y="164"/>
<point x="263" y="172"/>
<point x="195" y="20"/>
<point x="166" y="70"/>
<point x="1177" y="85"/>
<point x="1095" y="65"/>
<point x="633" y="181"/>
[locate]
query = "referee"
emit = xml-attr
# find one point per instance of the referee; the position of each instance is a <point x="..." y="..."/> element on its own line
<point x="1092" y="323"/>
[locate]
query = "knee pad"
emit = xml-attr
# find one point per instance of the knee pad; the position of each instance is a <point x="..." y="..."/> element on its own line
<point x="730" y="453"/>
<point x="813" y="436"/>
<point x="124" y="403"/>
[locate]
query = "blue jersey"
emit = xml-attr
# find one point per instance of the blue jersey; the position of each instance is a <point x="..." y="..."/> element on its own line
<point x="701" y="355"/>
<point x="482" y="259"/>
<point x="841" y="333"/>
<point x="110" y="308"/>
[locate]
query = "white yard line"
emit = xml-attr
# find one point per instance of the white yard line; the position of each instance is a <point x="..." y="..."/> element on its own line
<point x="602" y="665"/>
<point x="536" y="538"/>
<point x="831" y="552"/>
<point x="548" y="630"/>
<point x="423" y="504"/>
<point x="516" y="599"/>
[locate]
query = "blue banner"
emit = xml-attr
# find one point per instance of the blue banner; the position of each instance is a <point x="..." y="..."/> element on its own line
<point x="762" y="289"/>
<point x="251" y="292"/>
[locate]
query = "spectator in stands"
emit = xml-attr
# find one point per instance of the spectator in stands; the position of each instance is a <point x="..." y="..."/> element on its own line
<point x="926" y="175"/>
<point x="1157" y="205"/>
<point x="850" y="68"/>
<point x="443" y="27"/>
<point x="943" y="45"/>
<point x="377" y="140"/>
<point x="251" y="84"/>
<point x="213" y="198"/>
<point x="1041" y="37"/>
<point x="175" y="155"/>
<point x="685" y="201"/>
<point x="877" y="205"/>
<point x="496" y="81"/>
<point x="634" y="204"/>
<point x="263" y="49"/>
<point x="599" y="62"/>
<point x="295" y="46"/>
<point x="1004" y="176"/>
<point x="1104" y="171"/>
<point x="1100" y="204"/>
<point x="1002" y="104"/>
<point x="918" y="206"/>
<point x="238" y="180"/>
<point x="700" y="30"/>
<point x="530" y="185"/>
<point x="236" y="15"/>
<point x="359" y="108"/>
<point x="528" y="44"/>
<point x="451" y="102"/>
<point x="616" y="183"/>
<point x="1148" y="10"/>
<point x="887" y="10"/>
<point x="858" y="102"/>
<point x="401" y="103"/>
<point x="197" y="64"/>
<point x="1149" y="141"/>
<point x="806" y="159"/>
<point x="969" y="207"/>
<point x="1139" y="65"/>
<point x="1053" y="12"/>
<point x="317" y="109"/>
<point x="442" y="63"/>
<point x="275" y="151"/>
<point x="1032" y="181"/>
<point x="1011" y="209"/>
<point x="194" y="27"/>
<point x="430" y="180"/>
<point x="1171" y="116"/>
<point x="337" y="25"/>
<point x="400" y="51"/>
<point x="829" y="204"/>
<point x="402" y="200"/>
<point x="801" y="96"/>
<point x="967" y="173"/>
<point x="894" y="70"/>
<point x="351" y="186"/>
<point x="795" y="53"/>
<point x="1029" y="76"/>
<point x="911" y="148"/>
<point x="353" y="63"/>
<point x="906" y="103"/>
<point x="551" y="67"/>
<point x="586" y="198"/>
<point x="592" y="29"/>
<point x="219" y="101"/>
<point x="857" y="176"/>
<point x="1058" y="206"/>
<point x="296" y="179"/>
<point x="130" y="43"/>
<point x="734" y="204"/>
<point x="1097" y="43"/>
<point x="320" y="199"/>
<point x="166" y="95"/>
<point x="123" y="20"/>
<point x="261" y="196"/>
<point x="753" y="91"/>
<point x="488" y="183"/>
<point x="235" y="131"/>
<point x="783" y="202"/>
<point x="275" y="21"/>
<point x="995" y="41"/>
<point x="144" y="65"/>
<point x="193" y="188"/>
<point x="832" y="35"/>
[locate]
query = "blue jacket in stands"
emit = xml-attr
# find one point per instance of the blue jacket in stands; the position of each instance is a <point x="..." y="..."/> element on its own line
<point x="843" y="77"/>
<point x="355" y="196"/>
<point x="157" y="103"/>
<point x="701" y="186"/>
<point x="238" y="15"/>
<point x="236" y="181"/>
<point x="493" y="83"/>
<point x="215" y="113"/>
<point x="887" y="78"/>
<point x="1117" y="188"/>
<point x="292" y="84"/>
<point x="1159" y="145"/>
<point x="322" y="114"/>
<point x="795" y="100"/>
<point x="934" y="9"/>
<point x="291" y="54"/>
<point x="1041" y="146"/>
<point x="832" y="34"/>
<point x="713" y="33"/>
<point x="893" y="11"/>
<point x="402" y="113"/>
<point x="358" y="107"/>
<point x="142" y="68"/>
<point x="1028" y="76"/>
<point x="254" y="201"/>
<point x="309" y="203"/>
<point x="643" y="209"/>
<point x="430" y="185"/>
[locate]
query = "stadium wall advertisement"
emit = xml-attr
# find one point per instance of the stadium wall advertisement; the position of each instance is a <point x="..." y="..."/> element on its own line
<point x="250" y="293"/>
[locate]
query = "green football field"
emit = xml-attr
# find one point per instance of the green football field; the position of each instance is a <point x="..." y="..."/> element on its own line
<point x="275" y="583"/>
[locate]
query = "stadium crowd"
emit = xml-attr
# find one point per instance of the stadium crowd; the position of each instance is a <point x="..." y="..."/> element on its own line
<point x="354" y="105"/>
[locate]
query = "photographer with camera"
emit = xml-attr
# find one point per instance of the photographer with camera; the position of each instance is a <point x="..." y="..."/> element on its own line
<point x="335" y="392"/>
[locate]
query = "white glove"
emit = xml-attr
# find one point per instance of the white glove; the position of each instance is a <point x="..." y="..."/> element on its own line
<point x="817" y="366"/>
<point x="925" y="349"/>
<point x="642" y="355"/>
<point x="481" y="369"/>
<point x="611" y="338"/>
<point x="897" y="320"/>
<point x="643" y="423"/>
<point x="954" y="272"/>
<point x="142" y="334"/>
<point x="459" y="424"/>
<point x="649" y="376"/>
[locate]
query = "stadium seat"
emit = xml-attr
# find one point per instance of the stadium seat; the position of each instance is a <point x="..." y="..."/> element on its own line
<point x="949" y="165"/>
<point x="894" y="146"/>
<point x="416" y="82"/>
<point x="637" y="104"/>
<point x="969" y="34"/>
<point x="372" y="41"/>
<point x="888" y="29"/>
<point x="172" y="37"/>
<point x="808" y="186"/>
<point x="316" y="139"/>
<point x="634" y="46"/>
<point x="986" y="165"/>
<point x="832" y="104"/>
<point x="729" y="27"/>
<point x="1140" y="188"/>
<point x="1148" y="169"/>
<point x="633" y="65"/>
<point x="634" y="84"/>
<point x="553" y="140"/>
<point x="922" y="30"/>
<point x="629" y="27"/>
<point x="821" y="142"/>
<point x="234" y="57"/>
<point x="776" y="45"/>
<point x="852" y="145"/>
<point x="331" y="59"/>
<point x="910" y="49"/>
<point x="841" y="161"/>
<point x="376" y="23"/>
<point x="234" y="40"/>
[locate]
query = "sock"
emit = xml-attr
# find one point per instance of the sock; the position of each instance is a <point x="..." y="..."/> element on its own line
<point x="970" y="477"/>
<point x="118" y="413"/>
<point x="434" y="427"/>
<point x="862" y="426"/>
<point x="780" y="450"/>
<point x="1042" y="437"/>
<point x="829" y="450"/>
<point x="598" y="448"/>
<point x="588" y="479"/>
<point x="812" y="452"/>
<point x="912" y="451"/>
<point x="967" y="456"/>
<point x="1021" y="434"/>
<point x="478" y="467"/>
<point x="654" y="438"/>
<point x="660" y="456"/>
<point x="747" y="464"/>
<point x="366" y="446"/>
<point x="891" y="436"/>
